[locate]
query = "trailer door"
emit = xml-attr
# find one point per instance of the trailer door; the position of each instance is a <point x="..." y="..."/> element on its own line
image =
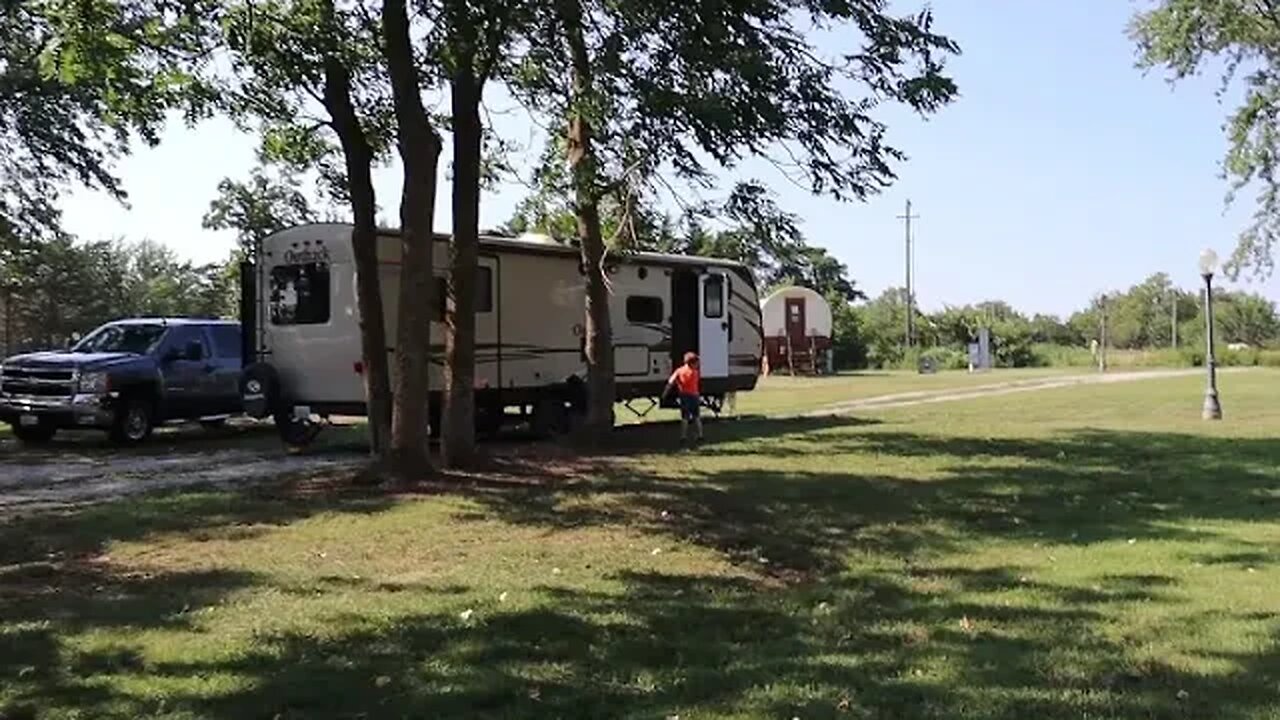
<point x="713" y="335"/>
<point x="488" y="321"/>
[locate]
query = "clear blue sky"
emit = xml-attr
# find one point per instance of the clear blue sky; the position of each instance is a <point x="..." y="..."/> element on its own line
<point x="1062" y="171"/>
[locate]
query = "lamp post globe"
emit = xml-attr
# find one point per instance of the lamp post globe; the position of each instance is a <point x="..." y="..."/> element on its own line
<point x="1212" y="409"/>
<point x="1208" y="262"/>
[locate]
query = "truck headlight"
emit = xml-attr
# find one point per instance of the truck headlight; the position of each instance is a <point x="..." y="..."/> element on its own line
<point x="94" y="383"/>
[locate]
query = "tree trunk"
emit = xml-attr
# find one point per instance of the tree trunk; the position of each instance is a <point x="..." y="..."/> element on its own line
<point x="420" y="148"/>
<point x="601" y="391"/>
<point x="364" y="238"/>
<point x="458" y="440"/>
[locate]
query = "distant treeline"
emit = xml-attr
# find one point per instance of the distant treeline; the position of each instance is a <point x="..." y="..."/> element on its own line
<point x="52" y="290"/>
<point x="1142" y="323"/>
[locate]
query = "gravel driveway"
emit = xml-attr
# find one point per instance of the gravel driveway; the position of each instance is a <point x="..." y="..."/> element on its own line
<point x="84" y="470"/>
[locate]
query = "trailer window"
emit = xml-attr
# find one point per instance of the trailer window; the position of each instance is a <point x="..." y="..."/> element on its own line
<point x="300" y="294"/>
<point x="644" y="309"/>
<point x="713" y="296"/>
<point x="484" y="290"/>
<point x="484" y="293"/>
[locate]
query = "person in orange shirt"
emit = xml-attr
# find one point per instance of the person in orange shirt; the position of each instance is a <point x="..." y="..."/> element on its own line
<point x="686" y="381"/>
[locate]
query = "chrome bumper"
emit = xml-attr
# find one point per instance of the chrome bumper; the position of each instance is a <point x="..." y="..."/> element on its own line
<point x="61" y="412"/>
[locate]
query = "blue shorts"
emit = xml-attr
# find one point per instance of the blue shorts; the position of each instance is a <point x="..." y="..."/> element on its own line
<point x="690" y="406"/>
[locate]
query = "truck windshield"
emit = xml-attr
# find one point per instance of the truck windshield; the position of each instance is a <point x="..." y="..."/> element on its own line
<point x="136" y="339"/>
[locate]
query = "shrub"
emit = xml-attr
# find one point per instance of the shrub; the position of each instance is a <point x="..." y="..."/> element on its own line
<point x="1046" y="355"/>
<point x="1193" y="356"/>
<point x="945" y="358"/>
<point x="1247" y="357"/>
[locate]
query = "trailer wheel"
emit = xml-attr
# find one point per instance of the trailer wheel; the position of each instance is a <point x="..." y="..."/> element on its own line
<point x="576" y="394"/>
<point x="489" y="418"/>
<point x="578" y="419"/>
<point x="550" y="416"/>
<point x="296" y="433"/>
<point x="435" y="420"/>
<point x="39" y="435"/>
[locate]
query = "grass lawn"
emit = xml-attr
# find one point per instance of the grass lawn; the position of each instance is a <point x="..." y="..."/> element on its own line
<point x="781" y="394"/>
<point x="1093" y="552"/>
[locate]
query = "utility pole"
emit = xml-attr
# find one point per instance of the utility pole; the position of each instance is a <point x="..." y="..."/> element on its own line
<point x="1102" y="335"/>
<point x="1173" y="322"/>
<point x="910" y="331"/>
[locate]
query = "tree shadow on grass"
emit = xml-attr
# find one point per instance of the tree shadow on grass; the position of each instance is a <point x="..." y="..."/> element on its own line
<point x="661" y="436"/>
<point x="866" y="644"/>
<point x="57" y="582"/>
<point x="827" y="638"/>
<point x="44" y="607"/>
<point x="1078" y="487"/>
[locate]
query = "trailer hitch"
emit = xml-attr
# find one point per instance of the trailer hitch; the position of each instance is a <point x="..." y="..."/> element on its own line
<point x="640" y="413"/>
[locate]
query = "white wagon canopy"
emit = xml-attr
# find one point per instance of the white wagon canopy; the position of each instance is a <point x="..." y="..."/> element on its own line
<point x="797" y="331"/>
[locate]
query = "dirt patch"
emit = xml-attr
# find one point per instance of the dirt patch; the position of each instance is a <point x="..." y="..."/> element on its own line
<point x="79" y="473"/>
<point x="81" y="478"/>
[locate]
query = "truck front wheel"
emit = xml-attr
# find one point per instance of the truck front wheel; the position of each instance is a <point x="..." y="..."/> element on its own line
<point x="133" y="423"/>
<point x="39" y="435"/>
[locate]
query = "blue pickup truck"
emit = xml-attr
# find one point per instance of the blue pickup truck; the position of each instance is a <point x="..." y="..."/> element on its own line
<point x="126" y="377"/>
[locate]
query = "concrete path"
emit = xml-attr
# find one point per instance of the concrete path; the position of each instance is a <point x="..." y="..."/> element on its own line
<point x="925" y="397"/>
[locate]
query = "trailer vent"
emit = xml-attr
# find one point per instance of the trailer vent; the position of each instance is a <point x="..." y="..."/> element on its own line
<point x="537" y="239"/>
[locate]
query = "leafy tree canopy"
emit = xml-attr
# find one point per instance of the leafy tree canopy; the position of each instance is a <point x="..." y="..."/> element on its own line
<point x="257" y="207"/>
<point x="80" y="79"/>
<point x="1243" y="38"/>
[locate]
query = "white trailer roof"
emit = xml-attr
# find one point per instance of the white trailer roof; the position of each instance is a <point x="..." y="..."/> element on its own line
<point x="817" y="313"/>
<point x="298" y="243"/>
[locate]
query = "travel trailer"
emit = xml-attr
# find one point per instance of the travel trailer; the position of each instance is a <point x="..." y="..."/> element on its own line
<point x="302" y="334"/>
<point x="797" y="331"/>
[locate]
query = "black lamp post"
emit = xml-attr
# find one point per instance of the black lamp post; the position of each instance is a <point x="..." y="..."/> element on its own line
<point x="1212" y="408"/>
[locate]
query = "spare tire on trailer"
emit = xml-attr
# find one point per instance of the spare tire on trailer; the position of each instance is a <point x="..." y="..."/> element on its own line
<point x="260" y="391"/>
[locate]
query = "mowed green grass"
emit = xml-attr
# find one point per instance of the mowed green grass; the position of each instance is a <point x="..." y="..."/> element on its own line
<point x="1092" y="552"/>
<point x="784" y="394"/>
<point x="781" y="394"/>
